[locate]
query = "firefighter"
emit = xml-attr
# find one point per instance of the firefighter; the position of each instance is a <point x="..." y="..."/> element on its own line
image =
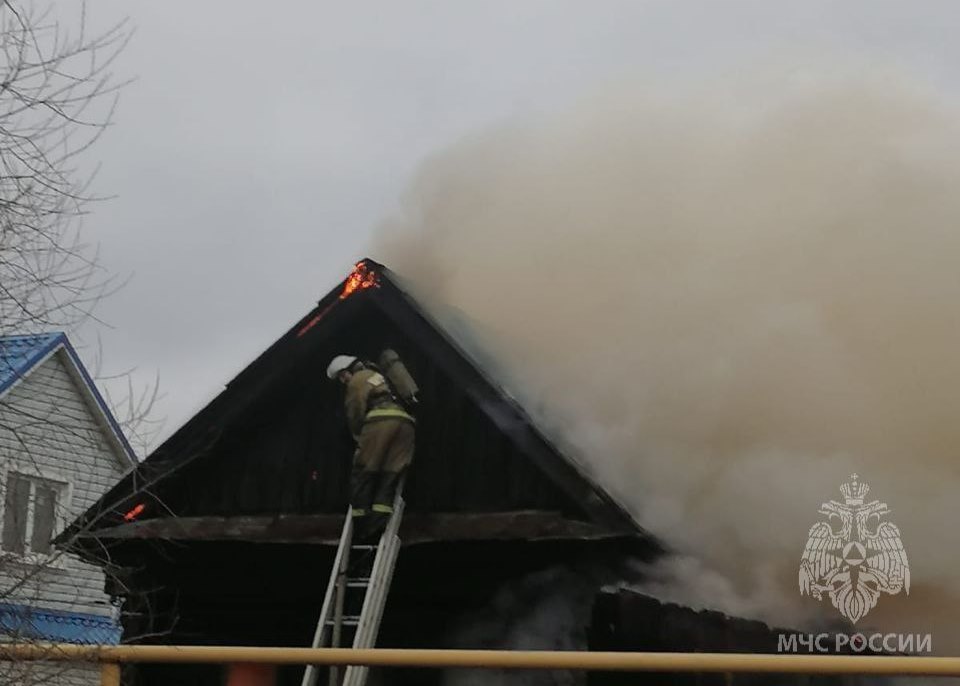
<point x="384" y="433"/>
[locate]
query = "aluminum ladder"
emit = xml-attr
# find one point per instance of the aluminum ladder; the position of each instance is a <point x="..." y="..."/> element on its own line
<point x="353" y="576"/>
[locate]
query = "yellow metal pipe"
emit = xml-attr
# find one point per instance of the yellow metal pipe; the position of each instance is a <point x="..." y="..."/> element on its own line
<point x="110" y="675"/>
<point x="494" y="659"/>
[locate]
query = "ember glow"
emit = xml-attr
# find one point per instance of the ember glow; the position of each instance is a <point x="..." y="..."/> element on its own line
<point x="361" y="278"/>
<point x="135" y="512"/>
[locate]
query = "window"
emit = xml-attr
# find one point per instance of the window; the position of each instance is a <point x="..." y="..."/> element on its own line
<point x="29" y="513"/>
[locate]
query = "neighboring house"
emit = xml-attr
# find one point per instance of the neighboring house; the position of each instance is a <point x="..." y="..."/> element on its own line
<point x="60" y="450"/>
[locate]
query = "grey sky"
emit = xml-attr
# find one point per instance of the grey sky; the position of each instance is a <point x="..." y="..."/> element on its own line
<point x="263" y="141"/>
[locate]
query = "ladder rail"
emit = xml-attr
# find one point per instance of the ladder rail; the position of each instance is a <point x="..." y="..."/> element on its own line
<point x="367" y="623"/>
<point x="380" y="579"/>
<point x="356" y="675"/>
<point x="340" y="565"/>
<point x="340" y="595"/>
<point x="374" y="600"/>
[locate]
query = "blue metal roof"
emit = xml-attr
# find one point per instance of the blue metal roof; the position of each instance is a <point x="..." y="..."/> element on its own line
<point x="20" y="354"/>
<point x="57" y="626"/>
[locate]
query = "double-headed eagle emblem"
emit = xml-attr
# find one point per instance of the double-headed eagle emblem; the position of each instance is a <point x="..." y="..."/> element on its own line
<point x="854" y="556"/>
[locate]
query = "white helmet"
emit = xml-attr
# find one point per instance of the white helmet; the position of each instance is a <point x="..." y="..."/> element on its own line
<point x="339" y="364"/>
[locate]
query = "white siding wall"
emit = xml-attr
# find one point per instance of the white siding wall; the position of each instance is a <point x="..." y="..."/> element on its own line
<point x="47" y="429"/>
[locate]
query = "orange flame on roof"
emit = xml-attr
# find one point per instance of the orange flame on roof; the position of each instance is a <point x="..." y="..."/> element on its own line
<point x="360" y="279"/>
<point x="135" y="512"/>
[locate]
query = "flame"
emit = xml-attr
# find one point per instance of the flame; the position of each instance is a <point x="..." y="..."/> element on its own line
<point x="135" y="512"/>
<point x="360" y="279"/>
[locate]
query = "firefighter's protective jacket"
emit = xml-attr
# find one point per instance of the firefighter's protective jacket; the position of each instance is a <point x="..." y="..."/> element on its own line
<point x="368" y="399"/>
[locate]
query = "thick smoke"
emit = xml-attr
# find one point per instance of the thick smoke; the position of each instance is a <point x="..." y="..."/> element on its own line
<point x="547" y="610"/>
<point x="726" y="301"/>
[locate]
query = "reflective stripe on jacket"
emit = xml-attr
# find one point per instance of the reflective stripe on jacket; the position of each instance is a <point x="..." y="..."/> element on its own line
<point x="389" y="413"/>
<point x="368" y="398"/>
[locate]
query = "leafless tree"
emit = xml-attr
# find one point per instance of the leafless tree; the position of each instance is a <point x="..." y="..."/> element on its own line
<point x="58" y="95"/>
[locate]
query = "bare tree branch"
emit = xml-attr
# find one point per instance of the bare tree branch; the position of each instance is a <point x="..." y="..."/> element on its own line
<point x="58" y="95"/>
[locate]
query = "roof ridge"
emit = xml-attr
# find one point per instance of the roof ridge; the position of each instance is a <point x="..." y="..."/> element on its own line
<point x="23" y="336"/>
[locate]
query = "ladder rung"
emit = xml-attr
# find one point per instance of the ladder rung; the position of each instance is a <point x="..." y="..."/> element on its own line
<point x="364" y="547"/>
<point x="358" y="583"/>
<point x="346" y="620"/>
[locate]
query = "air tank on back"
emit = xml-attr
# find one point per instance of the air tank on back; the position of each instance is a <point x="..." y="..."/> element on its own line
<point x="396" y="372"/>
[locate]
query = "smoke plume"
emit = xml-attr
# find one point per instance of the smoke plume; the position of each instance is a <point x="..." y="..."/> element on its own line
<point x="547" y="610"/>
<point x="726" y="301"/>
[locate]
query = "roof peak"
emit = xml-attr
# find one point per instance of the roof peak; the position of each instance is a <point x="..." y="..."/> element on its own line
<point x="21" y="352"/>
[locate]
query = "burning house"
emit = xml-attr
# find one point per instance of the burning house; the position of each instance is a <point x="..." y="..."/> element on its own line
<point x="226" y="534"/>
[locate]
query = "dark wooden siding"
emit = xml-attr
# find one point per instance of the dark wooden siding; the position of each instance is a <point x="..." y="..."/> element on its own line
<point x="626" y="620"/>
<point x="270" y="595"/>
<point x="274" y="440"/>
<point x="291" y="452"/>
